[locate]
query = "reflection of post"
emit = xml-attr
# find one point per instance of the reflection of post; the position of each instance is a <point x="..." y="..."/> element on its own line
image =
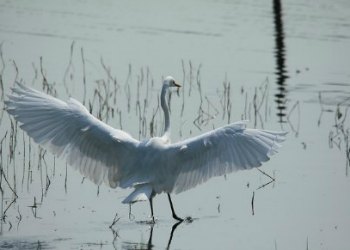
<point x="280" y="55"/>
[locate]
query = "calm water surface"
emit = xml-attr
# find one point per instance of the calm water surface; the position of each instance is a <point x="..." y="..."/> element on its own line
<point x="284" y="65"/>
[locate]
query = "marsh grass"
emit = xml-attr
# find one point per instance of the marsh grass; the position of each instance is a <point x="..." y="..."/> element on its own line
<point x="338" y="136"/>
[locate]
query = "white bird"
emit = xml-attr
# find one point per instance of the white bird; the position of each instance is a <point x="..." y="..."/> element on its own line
<point x="105" y="154"/>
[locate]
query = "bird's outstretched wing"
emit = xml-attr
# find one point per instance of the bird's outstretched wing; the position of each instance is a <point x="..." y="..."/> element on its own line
<point x="221" y="151"/>
<point x="97" y="150"/>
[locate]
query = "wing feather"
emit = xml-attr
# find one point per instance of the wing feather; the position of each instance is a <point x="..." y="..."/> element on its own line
<point x="221" y="151"/>
<point x="97" y="150"/>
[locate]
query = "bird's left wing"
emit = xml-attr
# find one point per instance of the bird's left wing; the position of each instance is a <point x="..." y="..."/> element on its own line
<point x="97" y="150"/>
<point x="221" y="151"/>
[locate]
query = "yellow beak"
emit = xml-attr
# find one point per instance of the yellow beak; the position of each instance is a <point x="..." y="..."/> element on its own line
<point x="177" y="85"/>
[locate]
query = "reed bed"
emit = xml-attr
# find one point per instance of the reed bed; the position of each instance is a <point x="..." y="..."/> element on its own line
<point x="129" y="102"/>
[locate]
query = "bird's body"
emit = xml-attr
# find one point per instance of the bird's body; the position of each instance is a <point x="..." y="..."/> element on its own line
<point x="104" y="154"/>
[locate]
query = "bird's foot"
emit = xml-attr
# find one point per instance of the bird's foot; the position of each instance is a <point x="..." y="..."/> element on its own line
<point x="153" y="220"/>
<point x="188" y="219"/>
<point x="177" y="218"/>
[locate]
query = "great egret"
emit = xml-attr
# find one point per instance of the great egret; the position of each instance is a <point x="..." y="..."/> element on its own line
<point x="105" y="154"/>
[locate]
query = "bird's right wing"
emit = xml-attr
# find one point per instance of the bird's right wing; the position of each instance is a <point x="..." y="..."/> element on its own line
<point x="97" y="150"/>
<point x="221" y="151"/>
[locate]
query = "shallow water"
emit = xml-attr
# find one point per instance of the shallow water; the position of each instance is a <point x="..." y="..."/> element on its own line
<point x="282" y="66"/>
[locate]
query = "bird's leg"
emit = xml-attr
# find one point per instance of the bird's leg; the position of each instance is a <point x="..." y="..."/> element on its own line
<point x="173" y="211"/>
<point x="151" y="204"/>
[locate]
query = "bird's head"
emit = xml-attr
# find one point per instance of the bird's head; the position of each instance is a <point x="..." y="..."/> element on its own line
<point x="169" y="81"/>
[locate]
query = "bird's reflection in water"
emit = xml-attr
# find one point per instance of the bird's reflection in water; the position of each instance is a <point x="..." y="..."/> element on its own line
<point x="149" y="245"/>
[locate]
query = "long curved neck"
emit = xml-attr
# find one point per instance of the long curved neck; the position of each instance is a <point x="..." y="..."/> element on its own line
<point x="165" y="110"/>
